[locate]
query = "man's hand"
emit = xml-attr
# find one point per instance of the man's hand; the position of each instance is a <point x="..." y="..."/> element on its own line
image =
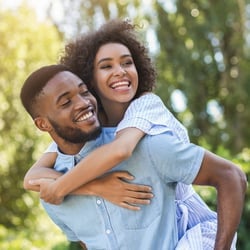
<point x="115" y="188"/>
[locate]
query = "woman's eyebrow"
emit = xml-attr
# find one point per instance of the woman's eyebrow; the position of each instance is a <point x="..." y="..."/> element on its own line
<point x="110" y="58"/>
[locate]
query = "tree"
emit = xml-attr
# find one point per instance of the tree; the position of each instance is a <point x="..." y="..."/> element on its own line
<point x="25" y="45"/>
<point x="203" y="52"/>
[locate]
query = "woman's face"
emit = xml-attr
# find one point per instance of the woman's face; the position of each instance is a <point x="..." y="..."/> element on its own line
<point x="115" y="74"/>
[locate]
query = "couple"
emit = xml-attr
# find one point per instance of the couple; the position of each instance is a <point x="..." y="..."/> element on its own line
<point x="60" y="103"/>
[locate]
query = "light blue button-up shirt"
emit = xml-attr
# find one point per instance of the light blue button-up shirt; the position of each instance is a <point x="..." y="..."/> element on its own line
<point x="159" y="161"/>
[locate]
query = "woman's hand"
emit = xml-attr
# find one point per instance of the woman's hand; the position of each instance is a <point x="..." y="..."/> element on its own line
<point x="115" y="188"/>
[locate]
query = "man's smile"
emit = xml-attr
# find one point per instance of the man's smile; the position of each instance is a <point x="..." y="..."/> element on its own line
<point x="85" y="116"/>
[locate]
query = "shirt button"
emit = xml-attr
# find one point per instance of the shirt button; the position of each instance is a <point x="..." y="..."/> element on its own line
<point x="108" y="231"/>
<point x="98" y="202"/>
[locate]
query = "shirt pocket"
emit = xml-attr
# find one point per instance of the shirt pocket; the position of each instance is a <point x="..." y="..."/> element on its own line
<point x="145" y="216"/>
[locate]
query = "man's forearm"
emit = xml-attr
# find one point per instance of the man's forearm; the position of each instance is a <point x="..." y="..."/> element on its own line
<point x="231" y="195"/>
<point x="83" y="245"/>
<point x="230" y="183"/>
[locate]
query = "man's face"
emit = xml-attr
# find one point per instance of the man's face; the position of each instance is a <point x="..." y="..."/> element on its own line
<point x="70" y="109"/>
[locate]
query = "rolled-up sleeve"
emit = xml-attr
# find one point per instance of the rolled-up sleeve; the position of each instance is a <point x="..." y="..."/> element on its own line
<point x="173" y="160"/>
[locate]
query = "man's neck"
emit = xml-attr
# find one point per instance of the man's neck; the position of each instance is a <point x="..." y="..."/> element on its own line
<point x="69" y="148"/>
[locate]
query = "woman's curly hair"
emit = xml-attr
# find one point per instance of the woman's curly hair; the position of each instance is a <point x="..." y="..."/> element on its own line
<point x="79" y="55"/>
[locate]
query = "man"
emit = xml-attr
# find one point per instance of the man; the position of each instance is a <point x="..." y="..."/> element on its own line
<point x="61" y="105"/>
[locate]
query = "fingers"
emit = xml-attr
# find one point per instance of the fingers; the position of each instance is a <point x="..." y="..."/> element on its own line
<point x="54" y="201"/>
<point x="129" y="206"/>
<point x="139" y="195"/>
<point x="130" y="186"/>
<point x="132" y="203"/>
<point x="35" y="182"/>
<point x="123" y="175"/>
<point x="138" y="188"/>
<point x="38" y="182"/>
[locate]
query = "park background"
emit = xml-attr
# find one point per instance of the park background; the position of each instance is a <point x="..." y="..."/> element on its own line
<point x="201" y="50"/>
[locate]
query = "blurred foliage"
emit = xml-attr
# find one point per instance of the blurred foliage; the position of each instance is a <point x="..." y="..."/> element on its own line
<point x="44" y="236"/>
<point x="201" y="51"/>
<point x="25" y="45"/>
<point x="204" y="52"/>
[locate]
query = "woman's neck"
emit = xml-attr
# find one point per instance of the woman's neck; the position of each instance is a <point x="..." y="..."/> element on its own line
<point x="111" y="115"/>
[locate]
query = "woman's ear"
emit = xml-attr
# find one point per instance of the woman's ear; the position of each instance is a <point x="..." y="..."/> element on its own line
<point x="42" y="123"/>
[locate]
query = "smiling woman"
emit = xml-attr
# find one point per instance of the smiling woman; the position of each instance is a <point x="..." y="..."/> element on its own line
<point x="115" y="79"/>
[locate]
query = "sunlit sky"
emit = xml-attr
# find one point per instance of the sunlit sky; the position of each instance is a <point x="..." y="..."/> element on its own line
<point x="38" y="5"/>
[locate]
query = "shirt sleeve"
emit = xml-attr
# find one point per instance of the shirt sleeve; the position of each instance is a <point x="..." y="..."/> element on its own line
<point x="149" y="114"/>
<point x="174" y="161"/>
<point x="51" y="148"/>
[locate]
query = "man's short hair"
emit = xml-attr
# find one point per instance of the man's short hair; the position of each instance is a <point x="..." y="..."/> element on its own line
<point x="35" y="83"/>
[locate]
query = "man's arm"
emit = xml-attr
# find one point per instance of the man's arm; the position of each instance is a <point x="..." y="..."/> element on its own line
<point x="231" y="184"/>
<point x="83" y="245"/>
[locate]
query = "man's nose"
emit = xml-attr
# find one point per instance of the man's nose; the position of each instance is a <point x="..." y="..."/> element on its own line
<point x="82" y="102"/>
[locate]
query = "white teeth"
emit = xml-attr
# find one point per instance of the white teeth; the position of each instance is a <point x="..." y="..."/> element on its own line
<point x="85" y="117"/>
<point x="118" y="84"/>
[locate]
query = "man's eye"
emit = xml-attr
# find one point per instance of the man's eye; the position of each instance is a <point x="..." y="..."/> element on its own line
<point x="65" y="103"/>
<point x="85" y="93"/>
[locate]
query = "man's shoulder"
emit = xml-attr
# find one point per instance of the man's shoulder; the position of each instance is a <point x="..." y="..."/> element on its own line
<point x="167" y="143"/>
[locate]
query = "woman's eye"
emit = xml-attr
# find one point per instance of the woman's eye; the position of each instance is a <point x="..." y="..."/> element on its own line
<point x="127" y="63"/>
<point x="107" y="66"/>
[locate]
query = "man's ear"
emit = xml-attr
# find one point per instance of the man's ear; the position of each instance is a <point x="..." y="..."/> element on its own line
<point x="43" y="124"/>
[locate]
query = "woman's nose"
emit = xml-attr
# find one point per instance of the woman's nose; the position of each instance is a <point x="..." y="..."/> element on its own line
<point x="119" y="70"/>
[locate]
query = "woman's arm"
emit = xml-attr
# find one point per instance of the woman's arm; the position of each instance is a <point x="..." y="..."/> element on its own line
<point x="41" y="168"/>
<point x="125" y="194"/>
<point x="94" y="165"/>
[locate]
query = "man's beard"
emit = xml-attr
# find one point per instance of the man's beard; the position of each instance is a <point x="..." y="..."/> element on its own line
<point x="75" y="135"/>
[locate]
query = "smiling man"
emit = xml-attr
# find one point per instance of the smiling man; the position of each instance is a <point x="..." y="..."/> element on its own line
<point x="60" y="104"/>
<point x="56" y="90"/>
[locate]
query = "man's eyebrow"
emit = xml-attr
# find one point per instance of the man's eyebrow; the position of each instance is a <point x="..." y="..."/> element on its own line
<point x="61" y="96"/>
<point x="83" y="86"/>
<point x="80" y="85"/>
<point x="109" y="58"/>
